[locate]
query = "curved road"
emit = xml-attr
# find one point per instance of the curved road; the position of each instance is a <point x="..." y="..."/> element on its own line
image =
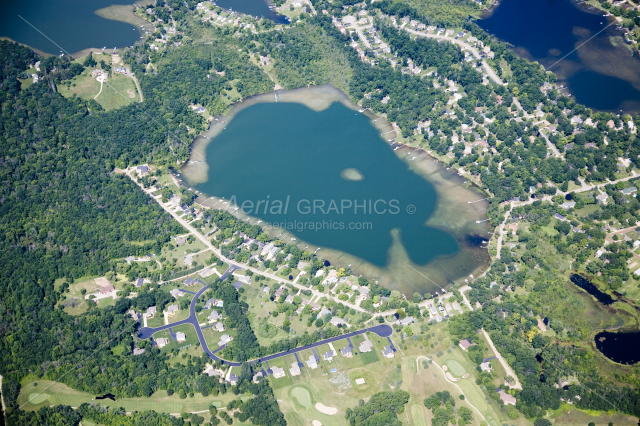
<point x="382" y="330"/>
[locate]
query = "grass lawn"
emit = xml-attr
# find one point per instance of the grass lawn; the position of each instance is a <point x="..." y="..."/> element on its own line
<point x="51" y="393"/>
<point x="179" y="316"/>
<point x="156" y="321"/>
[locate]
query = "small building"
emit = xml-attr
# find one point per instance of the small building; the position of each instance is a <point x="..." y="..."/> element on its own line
<point x="406" y="321"/>
<point x="347" y="351"/>
<point x="142" y="170"/>
<point x="138" y="351"/>
<point x="602" y="198"/>
<point x="214" y="316"/>
<point x="312" y="362"/>
<point x="465" y="344"/>
<point x="139" y="282"/>
<point x="233" y="379"/>
<point x="387" y="352"/>
<point x="360" y="381"/>
<point x="104" y="285"/>
<point x="365" y="346"/>
<point x="506" y="398"/>
<point x="277" y="372"/>
<point x="328" y="356"/>
<point x="224" y="339"/>
<point x="180" y="337"/>
<point x="162" y="342"/>
<point x="295" y="369"/>
<point x="172" y="310"/>
<point x="177" y="293"/>
<point x="151" y="311"/>
<point x="629" y="191"/>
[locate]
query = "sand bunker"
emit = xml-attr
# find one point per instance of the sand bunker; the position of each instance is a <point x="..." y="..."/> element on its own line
<point x="450" y="377"/>
<point x="316" y="423"/>
<point x="326" y="410"/>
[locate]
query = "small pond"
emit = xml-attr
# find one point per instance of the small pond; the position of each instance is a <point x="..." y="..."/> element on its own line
<point x="590" y="288"/>
<point x="623" y="348"/>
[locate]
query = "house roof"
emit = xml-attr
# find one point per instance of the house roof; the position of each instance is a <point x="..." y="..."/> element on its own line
<point x="387" y="351"/>
<point x="346" y="350"/>
<point x="366" y="346"/>
<point x="328" y="355"/>
<point x="219" y="326"/>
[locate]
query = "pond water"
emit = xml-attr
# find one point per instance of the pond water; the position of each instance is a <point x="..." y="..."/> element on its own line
<point x="258" y="8"/>
<point x="107" y="396"/>
<point x="623" y="348"/>
<point x="72" y="24"/>
<point x="582" y="47"/>
<point x="590" y="288"/>
<point x="284" y="163"/>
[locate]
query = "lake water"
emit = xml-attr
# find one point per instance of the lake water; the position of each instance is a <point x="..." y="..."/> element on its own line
<point x="590" y="288"/>
<point x="323" y="174"/>
<point x="72" y="24"/>
<point x="258" y="8"/>
<point x="623" y="348"/>
<point x="599" y="71"/>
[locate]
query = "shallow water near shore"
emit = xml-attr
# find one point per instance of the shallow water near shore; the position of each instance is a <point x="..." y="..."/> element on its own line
<point x="421" y="235"/>
<point x="581" y="46"/>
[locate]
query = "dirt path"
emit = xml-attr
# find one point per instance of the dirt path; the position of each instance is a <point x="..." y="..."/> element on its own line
<point x="462" y="291"/>
<point x="506" y="367"/>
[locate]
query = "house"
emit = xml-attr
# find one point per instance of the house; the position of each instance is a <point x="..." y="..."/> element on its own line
<point x="364" y="291"/>
<point x="172" y="310"/>
<point x="506" y="398"/>
<point x="319" y="273"/>
<point x="139" y="282"/>
<point x="486" y="366"/>
<point x="314" y="306"/>
<point x="219" y="327"/>
<point x="138" y="351"/>
<point x="338" y="322"/>
<point x="177" y="293"/>
<point x="541" y="325"/>
<point x="279" y="292"/>
<point x="151" y="311"/>
<point x="162" y="342"/>
<point x="295" y="369"/>
<point x="142" y="170"/>
<point x="312" y="362"/>
<point x="120" y="70"/>
<point x="457" y="307"/>
<point x="210" y="303"/>
<point x="134" y="315"/>
<point x="289" y="299"/>
<point x="629" y="191"/>
<point x="189" y="282"/>
<point x="465" y="344"/>
<point x="328" y="356"/>
<point x="332" y="277"/>
<point x="214" y="316"/>
<point x="576" y="120"/>
<point x="365" y="346"/>
<point x="180" y="337"/>
<point x="568" y="205"/>
<point x="266" y="289"/>
<point x="104" y="285"/>
<point x="224" y="340"/>
<point x="233" y="379"/>
<point x="360" y="381"/>
<point x="277" y="372"/>
<point x="347" y="351"/>
<point x="180" y="241"/>
<point x="199" y="110"/>
<point x="387" y="352"/>
<point x="406" y="321"/>
<point x="602" y="198"/>
<point x="323" y="313"/>
<point x="257" y="376"/>
<point x="559" y="216"/>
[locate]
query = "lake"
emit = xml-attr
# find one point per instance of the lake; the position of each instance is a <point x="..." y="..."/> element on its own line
<point x="623" y="348"/>
<point x="317" y="170"/>
<point x="72" y="24"/>
<point x="258" y="8"/>
<point x="600" y="70"/>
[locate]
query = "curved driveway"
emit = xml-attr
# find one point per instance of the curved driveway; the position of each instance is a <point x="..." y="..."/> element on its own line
<point x="382" y="330"/>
